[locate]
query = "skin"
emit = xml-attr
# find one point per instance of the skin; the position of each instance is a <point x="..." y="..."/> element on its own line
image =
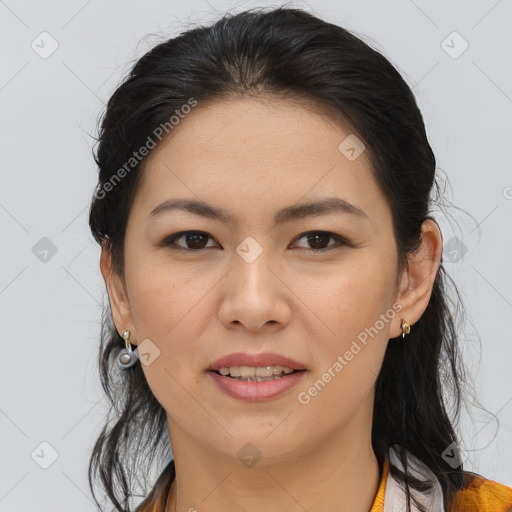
<point x="252" y="158"/>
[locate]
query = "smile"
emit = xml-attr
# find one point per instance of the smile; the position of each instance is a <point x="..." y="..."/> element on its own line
<point x="254" y="388"/>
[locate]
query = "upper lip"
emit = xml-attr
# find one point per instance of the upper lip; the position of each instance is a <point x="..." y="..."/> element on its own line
<point x="263" y="359"/>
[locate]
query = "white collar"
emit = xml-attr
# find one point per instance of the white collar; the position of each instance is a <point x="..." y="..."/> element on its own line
<point x="395" y="499"/>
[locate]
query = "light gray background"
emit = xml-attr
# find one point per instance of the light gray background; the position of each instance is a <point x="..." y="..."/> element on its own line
<point x="50" y="310"/>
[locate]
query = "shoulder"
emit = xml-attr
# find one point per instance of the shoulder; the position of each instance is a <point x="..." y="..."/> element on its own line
<point x="478" y="494"/>
<point x="482" y="495"/>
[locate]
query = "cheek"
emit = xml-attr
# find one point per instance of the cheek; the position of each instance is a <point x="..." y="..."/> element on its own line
<point x="168" y="312"/>
<point x="163" y="298"/>
<point x="355" y="306"/>
<point x="171" y="309"/>
<point x="350" y="295"/>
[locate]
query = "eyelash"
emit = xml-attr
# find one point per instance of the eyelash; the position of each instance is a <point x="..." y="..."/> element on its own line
<point x="169" y="241"/>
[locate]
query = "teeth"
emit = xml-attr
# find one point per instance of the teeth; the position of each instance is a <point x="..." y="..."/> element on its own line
<point x="246" y="372"/>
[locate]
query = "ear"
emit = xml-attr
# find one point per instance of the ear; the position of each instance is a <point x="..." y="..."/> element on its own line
<point x="119" y="302"/>
<point x="418" y="279"/>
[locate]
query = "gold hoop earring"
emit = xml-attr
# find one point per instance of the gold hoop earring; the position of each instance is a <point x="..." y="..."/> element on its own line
<point x="406" y="328"/>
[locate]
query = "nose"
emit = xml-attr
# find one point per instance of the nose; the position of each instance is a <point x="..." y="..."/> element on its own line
<point x="255" y="296"/>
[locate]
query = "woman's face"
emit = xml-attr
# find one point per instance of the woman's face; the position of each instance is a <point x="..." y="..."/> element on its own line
<point x="255" y="285"/>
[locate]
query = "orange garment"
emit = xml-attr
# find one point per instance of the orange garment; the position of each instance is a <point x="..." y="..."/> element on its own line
<point x="482" y="495"/>
<point x="378" y="502"/>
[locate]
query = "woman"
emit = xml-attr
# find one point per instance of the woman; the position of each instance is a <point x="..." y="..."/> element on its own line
<point x="277" y="297"/>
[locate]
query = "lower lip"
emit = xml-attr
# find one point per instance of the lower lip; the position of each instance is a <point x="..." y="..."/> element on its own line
<point x="256" y="391"/>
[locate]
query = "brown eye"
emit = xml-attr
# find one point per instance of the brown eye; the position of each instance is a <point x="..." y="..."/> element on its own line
<point x="192" y="241"/>
<point x="319" y="240"/>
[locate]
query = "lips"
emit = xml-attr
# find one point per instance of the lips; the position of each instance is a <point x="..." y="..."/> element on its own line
<point x="256" y="360"/>
<point x="256" y="391"/>
<point x="261" y="390"/>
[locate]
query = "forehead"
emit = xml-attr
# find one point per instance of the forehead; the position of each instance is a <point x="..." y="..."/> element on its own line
<point x="291" y="128"/>
<point x="243" y="152"/>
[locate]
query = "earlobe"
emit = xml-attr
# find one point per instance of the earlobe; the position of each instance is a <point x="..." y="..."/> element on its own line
<point x="418" y="280"/>
<point x="119" y="303"/>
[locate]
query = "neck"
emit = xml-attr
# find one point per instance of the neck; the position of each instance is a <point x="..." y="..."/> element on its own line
<point x="342" y="473"/>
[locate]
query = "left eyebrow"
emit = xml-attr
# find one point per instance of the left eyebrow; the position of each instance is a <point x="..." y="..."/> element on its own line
<point x="287" y="214"/>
